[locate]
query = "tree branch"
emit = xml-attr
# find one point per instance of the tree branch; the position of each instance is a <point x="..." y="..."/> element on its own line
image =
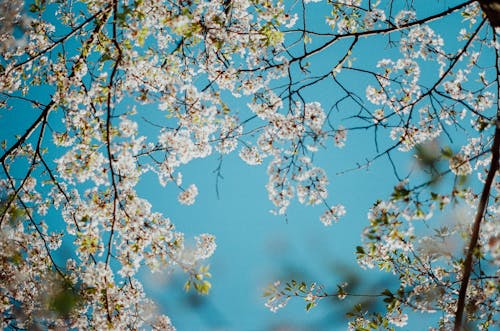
<point x="483" y="202"/>
<point x="492" y="10"/>
<point x="494" y="166"/>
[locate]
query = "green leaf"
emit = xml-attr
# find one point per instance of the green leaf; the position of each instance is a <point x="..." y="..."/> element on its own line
<point x="400" y="193"/>
<point x="64" y="301"/>
<point x="302" y="287"/>
<point x="447" y="152"/>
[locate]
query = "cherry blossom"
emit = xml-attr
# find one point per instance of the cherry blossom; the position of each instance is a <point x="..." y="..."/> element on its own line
<point x="114" y="91"/>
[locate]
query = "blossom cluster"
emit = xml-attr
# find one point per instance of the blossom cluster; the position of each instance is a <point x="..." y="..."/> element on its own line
<point x="120" y="90"/>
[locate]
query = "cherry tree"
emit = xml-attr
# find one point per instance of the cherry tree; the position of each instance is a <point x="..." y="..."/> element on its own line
<point x="114" y="90"/>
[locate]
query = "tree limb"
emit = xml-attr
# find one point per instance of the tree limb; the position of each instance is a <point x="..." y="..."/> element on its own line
<point x="483" y="202"/>
<point x="492" y="10"/>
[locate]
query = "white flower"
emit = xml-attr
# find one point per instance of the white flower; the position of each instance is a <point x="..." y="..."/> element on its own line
<point x="332" y="215"/>
<point x="398" y="319"/>
<point x="314" y="116"/>
<point x="205" y="245"/>
<point x="460" y="165"/>
<point x="377" y="97"/>
<point x="250" y="155"/>
<point x="127" y="127"/>
<point x="378" y="115"/>
<point x="404" y="17"/>
<point x="188" y="196"/>
<point x="340" y="136"/>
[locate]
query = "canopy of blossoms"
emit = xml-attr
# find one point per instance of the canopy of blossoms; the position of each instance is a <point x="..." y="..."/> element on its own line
<point x="116" y="89"/>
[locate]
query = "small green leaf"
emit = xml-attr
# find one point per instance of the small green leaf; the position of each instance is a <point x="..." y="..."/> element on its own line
<point x="447" y="152"/>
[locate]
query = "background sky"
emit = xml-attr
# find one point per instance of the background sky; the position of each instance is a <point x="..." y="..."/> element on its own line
<point x="255" y="247"/>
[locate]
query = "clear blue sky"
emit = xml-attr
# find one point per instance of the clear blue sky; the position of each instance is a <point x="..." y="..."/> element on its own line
<point x="255" y="247"/>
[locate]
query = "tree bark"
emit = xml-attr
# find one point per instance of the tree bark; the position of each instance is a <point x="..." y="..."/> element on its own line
<point x="492" y="10"/>
<point x="481" y="209"/>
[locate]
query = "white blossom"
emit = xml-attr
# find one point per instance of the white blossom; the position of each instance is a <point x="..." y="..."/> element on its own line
<point x="188" y="196"/>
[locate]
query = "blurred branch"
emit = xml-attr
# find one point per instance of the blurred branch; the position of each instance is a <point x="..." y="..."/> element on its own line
<point x="492" y="10"/>
<point x="483" y="202"/>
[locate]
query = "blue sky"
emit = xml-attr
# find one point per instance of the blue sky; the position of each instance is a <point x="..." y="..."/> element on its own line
<point x="255" y="247"/>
